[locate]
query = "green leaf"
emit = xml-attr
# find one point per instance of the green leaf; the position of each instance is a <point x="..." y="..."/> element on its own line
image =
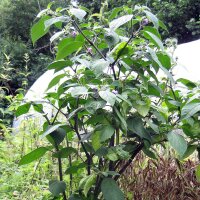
<point x="108" y="97"/>
<point x="123" y="122"/>
<point x="156" y="60"/>
<point x="55" y="80"/>
<point x="190" y="150"/>
<point x="91" y="106"/>
<point x="22" y="109"/>
<point x="34" y="155"/>
<point x="38" y="108"/>
<point x="54" y="20"/>
<point x="70" y="48"/>
<point x="50" y="130"/>
<point x="57" y="136"/>
<point x="60" y="64"/>
<point x="56" y="36"/>
<point x="152" y="18"/>
<point x="197" y="173"/>
<point x="106" y="132"/>
<point x="111" y="190"/>
<point x="112" y="154"/>
<point x="135" y="124"/>
<point x="190" y="109"/>
<point x="88" y="184"/>
<point x="78" y="13"/>
<point x="79" y="90"/>
<point x="187" y="83"/>
<point x="38" y="30"/>
<point x="162" y="25"/>
<point x="149" y="153"/>
<point x="56" y="187"/>
<point x="177" y="141"/>
<point x="114" y="13"/>
<point x="96" y="144"/>
<point x="65" y="152"/>
<point x="116" y="23"/>
<point x="142" y="107"/>
<point x="154" y="39"/>
<point x="99" y="66"/>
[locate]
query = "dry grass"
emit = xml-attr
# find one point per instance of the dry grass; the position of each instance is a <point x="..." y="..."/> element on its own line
<point x="164" y="179"/>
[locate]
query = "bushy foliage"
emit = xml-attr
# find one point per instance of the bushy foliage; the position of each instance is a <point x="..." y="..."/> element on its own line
<point x="112" y="102"/>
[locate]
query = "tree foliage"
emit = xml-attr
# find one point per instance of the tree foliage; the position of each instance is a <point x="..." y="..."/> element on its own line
<point x="112" y="103"/>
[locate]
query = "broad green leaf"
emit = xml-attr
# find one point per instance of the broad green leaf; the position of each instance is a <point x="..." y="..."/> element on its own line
<point x="91" y="106"/>
<point x="152" y="18"/>
<point x="50" y="130"/>
<point x="120" y="50"/>
<point x="165" y="60"/>
<point x="54" y="20"/>
<point x="96" y="144"/>
<point x="74" y="169"/>
<point x="88" y="184"/>
<point x="23" y="109"/>
<point x="114" y="13"/>
<point x="111" y="190"/>
<point x="142" y="107"/>
<point x="197" y="173"/>
<point x="74" y="112"/>
<point x="108" y="97"/>
<point x="60" y="64"/>
<point x="55" y="80"/>
<point x="135" y="124"/>
<point x="156" y="60"/>
<point x="190" y="150"/>
<point x="65" y="152"/>
<point x="64" y="42"/>
<point x="67" y="50"/>
<point x="106" y="132"/>
<point x="190" y="109"/>
<point x="154" y="39"/>
<point x="162" y="25"/>
<point x="38" y="108"/>
<point x="123" y="122"/>
<point x="177" y="141"/>
<point x="99" y="66"/>
<point x="56" y="187"/>
<point x="56" y="36"/>
<point x="116" y="23"/>
<point x="57" y="136"/>
<point x="34" y="155"/>
<point x="187" y="83"/>
<point x="38" y="30"/>
<point x="78" y="13"/>
<point x="79" y="90"/>
<point x="149" y="153"/>
<point x="112" y="155"/>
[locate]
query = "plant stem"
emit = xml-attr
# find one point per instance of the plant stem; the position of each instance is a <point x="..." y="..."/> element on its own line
<point x="89" y="41"/>
<point x="79" y="138"/>
<point x="60" y="170"/>
<point x="70" y="164"/>
<point x="123" y="169"/>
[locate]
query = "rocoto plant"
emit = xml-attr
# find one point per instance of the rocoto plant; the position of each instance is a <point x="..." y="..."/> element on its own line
<point x="110" y="102"/>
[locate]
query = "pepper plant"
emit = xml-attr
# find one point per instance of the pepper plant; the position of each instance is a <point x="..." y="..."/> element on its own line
<point x="110" y="102"/>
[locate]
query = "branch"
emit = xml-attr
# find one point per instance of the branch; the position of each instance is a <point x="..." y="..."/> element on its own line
<point x="123" y="169"/>
<point x="89" y="41"/>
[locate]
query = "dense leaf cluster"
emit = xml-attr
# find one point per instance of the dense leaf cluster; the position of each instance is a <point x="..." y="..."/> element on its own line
<point x="110" y="102"/>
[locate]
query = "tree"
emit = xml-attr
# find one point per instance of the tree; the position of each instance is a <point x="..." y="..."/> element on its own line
<point x="110" y="99"/>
